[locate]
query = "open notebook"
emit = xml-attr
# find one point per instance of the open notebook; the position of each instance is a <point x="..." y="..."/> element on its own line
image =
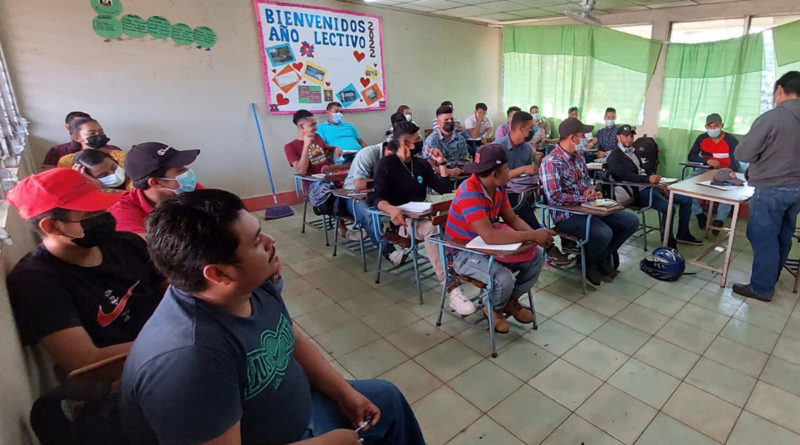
<point x="479" y="243"/>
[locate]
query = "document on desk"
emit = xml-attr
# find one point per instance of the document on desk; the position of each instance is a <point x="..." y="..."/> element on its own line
<point x="479" y="243"/>
<point x="666" y="181"/>
<point x="415" y="207"/>
<point x="720" y="187"/>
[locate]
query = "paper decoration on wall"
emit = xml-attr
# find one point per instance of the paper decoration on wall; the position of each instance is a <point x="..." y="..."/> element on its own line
<point x="107" y="25"/>
<point x="313" y="55"/>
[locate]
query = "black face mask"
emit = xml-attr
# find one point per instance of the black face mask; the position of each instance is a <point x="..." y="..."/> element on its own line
<point x="529" y="136"/>
<point x="96" y="230"/>
<point x="417" y="148"/>
<point x="97" y="141"/>
<point x="449" y="126"/>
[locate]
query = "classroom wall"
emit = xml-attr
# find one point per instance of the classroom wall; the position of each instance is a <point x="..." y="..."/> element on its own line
<point x="144" y="89"/>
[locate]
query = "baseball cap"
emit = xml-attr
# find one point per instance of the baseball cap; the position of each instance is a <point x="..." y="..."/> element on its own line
<point x="59" y="188"/>
<point x="573" y="126"/>
<point x="147" y="157"/>
<point x="727" y="175"/>
<point x="626" y="130"/>
<point x="713" y="118"/>
<point x="487" y="157"/>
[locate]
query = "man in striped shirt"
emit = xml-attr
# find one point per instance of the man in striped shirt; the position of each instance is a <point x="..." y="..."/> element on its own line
<point x="478" y="204"/>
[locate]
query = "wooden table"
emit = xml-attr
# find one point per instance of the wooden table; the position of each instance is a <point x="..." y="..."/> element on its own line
<point x="691" y="187"/>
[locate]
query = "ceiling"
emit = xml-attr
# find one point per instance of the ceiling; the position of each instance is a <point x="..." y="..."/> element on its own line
<point x="501" y="11"/>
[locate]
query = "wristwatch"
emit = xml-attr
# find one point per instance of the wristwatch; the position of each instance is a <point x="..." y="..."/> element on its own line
<point x="442" y="164"/>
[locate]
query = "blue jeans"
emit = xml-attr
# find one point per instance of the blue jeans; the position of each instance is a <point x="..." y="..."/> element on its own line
<point x="397" y="424"/>
<point x="773" y="215"/>
<point x="505" y="285"/>
<point x="360" y="210"/>
<point x="722" y="209"/>
<point x="660" y="203"/>
<point x="606" y="235"/>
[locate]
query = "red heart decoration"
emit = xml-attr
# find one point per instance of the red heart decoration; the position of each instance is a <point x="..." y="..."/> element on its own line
<point x="375" y="65"/>
<point x="364" y="81"/>
<point x="359" y="56"/>
<point x="304" y="81"/>
<point x="281" y="99"/>
<point x="361" y="100"/>
<point x="327" y="84"/>
<point x="274" y="70"/>
<point x="297" y="65"/>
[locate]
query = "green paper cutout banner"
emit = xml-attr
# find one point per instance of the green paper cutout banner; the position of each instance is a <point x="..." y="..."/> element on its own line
<point x="159" y="27"/>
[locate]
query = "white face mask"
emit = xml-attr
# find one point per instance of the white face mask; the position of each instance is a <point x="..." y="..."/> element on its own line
<point x="408" y="117"/>
<point x="115" y="179"/>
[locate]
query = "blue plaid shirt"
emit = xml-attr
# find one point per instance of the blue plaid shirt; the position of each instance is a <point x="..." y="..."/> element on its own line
<point x="564" y="179"/>
<point x="454" y="149"/>
<point x="607" y="138"/>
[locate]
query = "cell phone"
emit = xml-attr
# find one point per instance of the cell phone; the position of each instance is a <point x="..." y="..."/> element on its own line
<point x="363" y="425"/>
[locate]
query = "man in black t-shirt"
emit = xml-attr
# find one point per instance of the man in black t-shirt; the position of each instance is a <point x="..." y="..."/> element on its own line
<point x="220" y="360"/>
<point x="85" y="291"/>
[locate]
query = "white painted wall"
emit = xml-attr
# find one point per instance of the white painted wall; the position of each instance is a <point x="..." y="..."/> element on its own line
<point x="143" y="90"/>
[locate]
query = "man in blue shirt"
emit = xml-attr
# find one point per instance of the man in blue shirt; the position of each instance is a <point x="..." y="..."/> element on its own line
<point x="338" y="133"/>
<point x="606" y="139"/>
<point x="220" y="360"/>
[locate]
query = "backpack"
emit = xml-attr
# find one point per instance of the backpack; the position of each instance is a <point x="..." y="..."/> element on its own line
<point x="647" y="152"/>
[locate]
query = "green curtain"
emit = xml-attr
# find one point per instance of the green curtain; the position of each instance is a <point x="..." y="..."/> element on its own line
<point x="699" y="79"/>
<point x="556" y="67"/>
<point x="787" y="48"/>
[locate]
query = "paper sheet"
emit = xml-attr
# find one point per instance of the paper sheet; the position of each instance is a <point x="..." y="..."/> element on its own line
<point x="720" y="187"/>
<point x="479" y="243"/>
<point x="668" y="180"/>
<point x="415" y="207"/>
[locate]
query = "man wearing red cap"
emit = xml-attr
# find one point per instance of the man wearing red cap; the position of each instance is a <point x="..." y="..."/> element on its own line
<point x="85" y="291"/>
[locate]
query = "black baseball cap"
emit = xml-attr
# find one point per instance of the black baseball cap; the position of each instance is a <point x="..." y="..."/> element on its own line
<point x="626" y="130"/>
<point x="488" y="157"/>
<point x="145" y="158"/>
<point x="713" y="118"/>
<point x="573" y="126"/>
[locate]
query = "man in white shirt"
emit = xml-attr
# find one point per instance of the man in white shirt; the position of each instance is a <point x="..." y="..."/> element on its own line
<point x="478" y="125"/>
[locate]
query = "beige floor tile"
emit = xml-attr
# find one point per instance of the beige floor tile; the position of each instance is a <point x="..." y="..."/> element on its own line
<point x="372" y="360"/>
<point x="641" y="318"/>
<point x="312" y="266"/>
<point x="554" y="337"/>
<point x="667" y="357"/>
<point x="485" y="430"/>
<point x="623" y="289"/>
<point x="603" y="303"/>
<point x="722" y="303"/>
<point x="479" y="341"/>
<point x="751" y="429"/>
<point x="575" y="431"/>
<point x="346" y="288"/>
<point x="567" y="288"/>
<point x="523" y="359"/>
<point x="700" y="410"/>
<point x="776" y="405"/>
<point x="637" y="277"/>
<point x="389" y="319"/>
<point x="595" y="358"/>
<point x="620" y="336"/>
<point x="485" y="384"/>
<point x="323" y="320"/>
<point x="529" y="414"/>
<point x="306" y="302"/>
<point x="442" y="414"/>
<point x="661" y="303"/>
<point x="677" y="289"/>
<point x="644" y="382"/>
<point x="346" y="338"/>
<point x="366" y="303"/>
<point x="792" y="328"/>
<point x="737" y="356"/>
<point x="295" y="286"/>
<point x="686" y="336"/>
<point x="721" y="381"/>
<point x="566" y="384"/>
<point x="702" y="318"/>
<point x="783" y="374"/>
<point x="548" y="304"/>
<point x="788" y="348"/>
<point x="664" y="430"/>
<point x="449" y="359"/>
<point x="580" y="319"/>
<point x="761" y="317"/>
<point x="750" y="335"/>
<point x="417" y="337"/>
<point x="617" y="413"/>
<point x="414" y="381"/>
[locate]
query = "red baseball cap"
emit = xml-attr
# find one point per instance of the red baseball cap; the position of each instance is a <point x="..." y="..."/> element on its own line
<point x="59" y="188"/>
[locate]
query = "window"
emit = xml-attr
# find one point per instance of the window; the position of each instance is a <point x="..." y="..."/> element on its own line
<point x="768" y="77"/>
<point x="645" y="31"/>
<point x="758" y="24"/>
<point x="706" y="31"/>
<point x="13" y="131"/>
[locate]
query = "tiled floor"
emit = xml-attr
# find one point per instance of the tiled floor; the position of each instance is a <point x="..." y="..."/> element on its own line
<point x="634" y="361"/>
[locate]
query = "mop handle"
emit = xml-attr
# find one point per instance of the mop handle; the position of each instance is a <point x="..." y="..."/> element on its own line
<point x="264" y="152"/>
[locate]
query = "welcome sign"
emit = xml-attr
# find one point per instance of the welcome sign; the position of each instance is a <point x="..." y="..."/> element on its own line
<point x="314" y="55"/>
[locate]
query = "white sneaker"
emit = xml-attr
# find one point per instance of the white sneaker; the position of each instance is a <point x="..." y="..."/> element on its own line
<point x="460" y="303"/>
<point x="353" y="235"/>
<point x="397" y="257"/>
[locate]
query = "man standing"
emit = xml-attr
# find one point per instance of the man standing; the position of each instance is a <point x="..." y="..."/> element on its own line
<point x="773" y="151"/>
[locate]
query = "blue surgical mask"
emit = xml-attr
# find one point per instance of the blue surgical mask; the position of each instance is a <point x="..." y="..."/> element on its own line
<point x="338" y="118"/>
<point x="610" y="123"/>
<point x="537" y="116"/>
<point x="187" y="182"/>
<point x="714" y="133"/>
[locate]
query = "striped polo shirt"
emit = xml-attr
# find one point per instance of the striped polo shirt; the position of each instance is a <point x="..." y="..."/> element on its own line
<point x="472" y="203"/>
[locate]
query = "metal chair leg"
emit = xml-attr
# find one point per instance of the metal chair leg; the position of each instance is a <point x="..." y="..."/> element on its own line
<point x="583" y="268"/>
<point x="380" y="260"/>
<point x="490" y="316"/>
<point x="533" y="309"/>
<point x="335" y="234"/>
<point x="305" y="209"/>
<point x="325" y="229"/>
<point x="644" y="229"/>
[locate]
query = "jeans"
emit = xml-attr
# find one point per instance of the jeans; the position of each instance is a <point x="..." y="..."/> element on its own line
<point x="525" y="211"/>
<point x="397" y="424"/>
<point x="605" y="236"/>
<point x="505" y="285"/>
<point x="361" y="214"/>
<point x="773" y="215"/>
<point x="722" y="209"/>
<point x="660" y="203"/>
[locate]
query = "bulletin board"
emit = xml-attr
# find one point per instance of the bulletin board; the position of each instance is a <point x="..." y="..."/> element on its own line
<point x="312" y="56"/>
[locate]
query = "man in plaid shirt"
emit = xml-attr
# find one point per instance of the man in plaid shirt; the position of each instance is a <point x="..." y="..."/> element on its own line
<point x="566" y="182"/>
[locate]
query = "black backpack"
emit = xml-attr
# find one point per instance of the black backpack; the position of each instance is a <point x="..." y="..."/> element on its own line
<point x="647" y="152"/>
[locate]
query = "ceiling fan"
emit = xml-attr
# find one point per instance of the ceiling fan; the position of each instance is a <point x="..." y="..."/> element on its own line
<point x="585" y="14"/>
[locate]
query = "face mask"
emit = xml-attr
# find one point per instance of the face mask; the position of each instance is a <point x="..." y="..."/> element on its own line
<point x="449" y="126"/>
<point x="187" y="182"/>
<point x="96" y="230"/>
<point x="529" y="136"/>
<point x="408" y="117"/>
<point x="537" y="116"/>
<point x="610" y="123"/>
<point x="535" y="128"/>
<point x="417" y="148"/>
<point x="97" y="141"/>
<point x="338" y="118"/>
<point x="714" y="133"/>
<point x="581" y="145"/>
<point x="115" y="179"/>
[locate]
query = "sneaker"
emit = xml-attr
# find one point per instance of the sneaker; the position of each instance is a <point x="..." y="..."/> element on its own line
<point x="702" y="220"/>
<point x="689" y="239"/>
<point x="716" y="223"/>
<point x="570" y="246"/>
<point x="556" y="258"/>
<point x="354" y="235"/>
<point x="460" y="303"/>
<point x="397" y="257"/>
<point x="593" y="275"/>
<point x="500" y="323"/>
<point x="746" y="291"/>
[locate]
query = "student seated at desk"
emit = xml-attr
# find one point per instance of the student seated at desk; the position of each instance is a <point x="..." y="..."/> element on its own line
<point x="606" y="139"/>
<point x="543" y="124"/>
<point x="506" y="127"/>
<point x="566" y="182"/>
<point x="221" y="362"/>
<point x="714" y="148"/>
<point x="86" y="290"/>
<point x="456" y="123"/>
<point x="477" y="206"/>
<point x="478" y="125"/>
<point x="101" y="170"/>
<point x="624" y="165"/>
<point x="338" y="133"/>
<point x="401" y="178"/>
<point x="56" y="151"/>
<point x="87" y="134"/>
<point x="447" y="140"/>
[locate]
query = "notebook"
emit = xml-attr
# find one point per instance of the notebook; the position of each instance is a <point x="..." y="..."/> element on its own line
<point x="479" y="243"/>
<point x="415" y="207"/>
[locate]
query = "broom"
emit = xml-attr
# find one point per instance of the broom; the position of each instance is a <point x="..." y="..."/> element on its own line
<point x="276" y="210"/>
